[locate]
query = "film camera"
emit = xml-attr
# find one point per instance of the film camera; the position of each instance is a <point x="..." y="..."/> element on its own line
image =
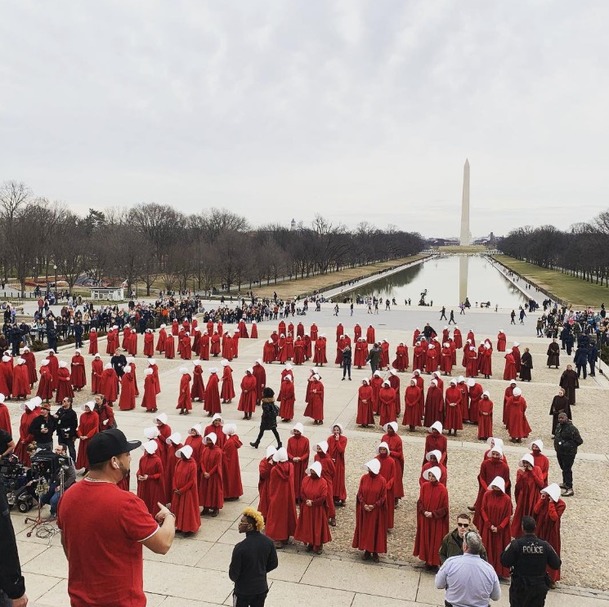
<point x="25" y="486"/>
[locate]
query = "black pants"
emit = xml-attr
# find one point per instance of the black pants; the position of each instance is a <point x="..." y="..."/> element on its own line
<point x="257" y="441"/>
<point x="69" y="444"/>
<point x="522" y="595"/>
<point x="256" y="600"/>
<point x="346" y="370"/>
<point x="565" y="461"/>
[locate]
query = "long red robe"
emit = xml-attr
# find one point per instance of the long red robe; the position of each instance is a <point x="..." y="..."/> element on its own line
<point x="526" y="493"/>
<point x="5" y="419"/>
<point x="485" y="418"/>
<point x="371" y="527"/>
<point x="312" y="527"/>
<point x="315" y="404"/>
<point x="364" y="417"/>
<point x="547" y="514"/>
<point x="127" y="399"/>
<point x="211" y="491"/>
<point x="184" y="400"/>
<point x="435" y="441"/>
<point x="387" y="405"/>
<point x="518" y="426"/>
<point x="64" y="385"/>
<point x="388" y="473"/>
<point x="21" y="381"/>
<point x="336" y="451"/>
<point x="496" y="509"/>
<point x="433" y="497"/>
<point x="197" y="391"/>
<point x="228" y="387"/>
<point x="434" y="406"/>
<point x="264" y="475"/>
<point x="93" y="343"/>
<point x="30" y="361"/>
<point x="231" y="472"/>
<point x="281" y="513"/>
<point x="88" y="425"/>
<point x="186" y="505"/>
<point x="211" y="403"/>
<point x="160" y="344"/>
<point x="247" y="400"/>
<point x="489" y="469"/>
<point x="259" y="373"/>
<point x="149" y="400"/>
<point x="151" y="490"/>
<point x="453" y="419"/>
<point x="109" y="385"/>
<point x="78" y="374"/>
<point x="396" y="450"/>
<point x="148" y="344"/>
<point x="298" y="446"/>
<point x="97" y="369"/>
<point x="412" y="398"/>
<point x="25" y="438"/>
<point x="170" y="347"/>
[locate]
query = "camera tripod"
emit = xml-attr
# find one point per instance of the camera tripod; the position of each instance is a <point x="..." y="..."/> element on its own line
<point x="41" y="488"/>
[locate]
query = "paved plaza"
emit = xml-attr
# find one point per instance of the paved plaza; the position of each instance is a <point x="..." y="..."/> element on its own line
<point x="194" y="572"/>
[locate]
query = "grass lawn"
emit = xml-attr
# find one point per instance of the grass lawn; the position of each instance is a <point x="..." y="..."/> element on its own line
<point x="305" y="286"/>
<point x="563" y="286"/>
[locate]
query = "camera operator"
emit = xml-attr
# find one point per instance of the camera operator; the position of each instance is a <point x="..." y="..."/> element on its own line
<point x="42" y="428"/>
<point x="66" y="468"/>
<point x="67" y="422"/>
<point x="7" y="444"/>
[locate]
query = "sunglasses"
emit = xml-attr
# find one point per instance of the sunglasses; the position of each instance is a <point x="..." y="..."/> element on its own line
<point x="463" y="525"/>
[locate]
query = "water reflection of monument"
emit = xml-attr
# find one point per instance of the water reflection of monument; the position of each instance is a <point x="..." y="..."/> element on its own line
<point x="463" y="272"/>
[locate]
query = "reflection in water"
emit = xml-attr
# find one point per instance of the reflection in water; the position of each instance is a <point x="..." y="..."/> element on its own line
<point x="463" y="271"/>
<point x="448" y="281"/>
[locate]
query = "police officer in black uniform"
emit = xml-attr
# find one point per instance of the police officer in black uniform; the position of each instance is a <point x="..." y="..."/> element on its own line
<point x="528" y="557"/>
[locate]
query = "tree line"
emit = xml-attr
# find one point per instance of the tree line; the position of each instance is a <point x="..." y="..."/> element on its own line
<point x="582" y="251"/>
<point x="152" y="243"/>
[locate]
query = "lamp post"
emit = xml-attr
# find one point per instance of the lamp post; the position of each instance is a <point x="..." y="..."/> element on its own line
<point x="55" y="268"/>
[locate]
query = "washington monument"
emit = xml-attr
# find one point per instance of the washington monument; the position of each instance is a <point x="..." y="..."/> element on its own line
<point x="466" y="236"/>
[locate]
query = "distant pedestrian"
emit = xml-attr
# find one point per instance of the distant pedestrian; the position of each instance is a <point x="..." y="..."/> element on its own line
<point x="451" y="318"/>
<point x="512" y="317"/>
<point x="443" y="313"/>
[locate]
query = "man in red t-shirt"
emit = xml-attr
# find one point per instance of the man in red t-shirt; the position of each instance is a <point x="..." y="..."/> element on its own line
<point x="103" y="529"/>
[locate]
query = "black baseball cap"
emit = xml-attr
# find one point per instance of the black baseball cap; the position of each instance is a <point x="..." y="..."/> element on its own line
<point x="107" y="444"/>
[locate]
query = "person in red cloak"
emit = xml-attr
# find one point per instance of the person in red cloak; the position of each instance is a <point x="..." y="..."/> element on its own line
<point x="495" y="512"/>
<point x="160" y="343"/>
<point x="155" y="372"/>
<point x="388" y="472"/>
<point x="164" y="429"/>
<point x="547" y="513"/>
<point x="268" y="351"/>
<point x="485" y="361"/>
<point x="215" y="345"/>
<point x="77" y="371"/>
<point x="337" y="445"/>
<point x="471" y="362"/>
<point x="509" y="371"/>
<point x="259" y="372"/>
<point x="419" y="355"/>
<point x="516" y="355"/>
<point x="435" y="440"/>
<point x="386" y="404"/>
<point x="264" y="475"/>
<point x="247" y="399"/>
<point x="242" y="327"/>
<point x="446" y="359"/>
<point x="501" y="341"/>
<point x="540" y="459"/>
<point x="231" y="472"/>
<point x="315" y="400"/>
<point x="196" y="342"/>
<point x="149" y="343"/>
<point x="150" y="478"/>
<point x="299" y="353"/>
<point x="184" y="502"/>
<point x="126" y="401"/>
<point x="184" y="400"/>
<point x="53" y="366"/>
<point x="370" y="533"/>
<point x="228" y="387"/>
<point x="485" y="416"/>
<point x="529" y="482"/>
<point x="174" y="442"/>
<point x="518" y="426"/>
<point x="31" y="410"/>
<point x="365" y="416"/>
<point x="254" y="331"/>
<point x="421" y="385"/>
<point x="298" y="455"/>
<point x="434" y="404"/>
<point x="21" y="380"/>
<point x="286" y="398"/>
<point x="131" y="346"/>
<point x="412" y="396"/>
<point x="361" y="353"/>
<point x="149" y="400"/>
<point x="64" y="383"/>
<point x="169" y="347"/>
<point x="432" y="518"/>
<point x="319" y="358"/>
<point x="384" y="360"/>
<point x="30" y="361"/>
<point x="506" y="395"/>
<point x="211" y="403"/>
<point x="204" y="347"/>
<point x="491" y="467"/>
<point x="211" y="491"/>
<point x="227" y="346"/>
<point x="475" y="391"/>
<point x="105" y="413"/>
<point x="93" y="348"/>
<point x="197" y="391"/>
<point x="313" y="331"/>
<point x="370" y="334"/>
<point x="97" y="369"/>
<point x="5" y="418"/>
<point x="433" y="459"/>
<point x="328" y="473"/>
<point x="401" y="358"/>
<point x="109" y="385"/>
<point x="432" y="359"/>
<point x="312" y="527"/>
<point x="396" y="451"/>
<point x="126" y="336"/>
<point x="88" y="426"/>
<point x="281" y="512"/>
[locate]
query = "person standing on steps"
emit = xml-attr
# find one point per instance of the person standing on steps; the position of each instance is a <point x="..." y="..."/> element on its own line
<point x="347" y="357"/>
<point x="566" y="441"/>
<point x="268" y="421"/>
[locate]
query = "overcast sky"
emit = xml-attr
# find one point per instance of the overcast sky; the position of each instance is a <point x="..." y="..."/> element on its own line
<point x="277" y="109"/>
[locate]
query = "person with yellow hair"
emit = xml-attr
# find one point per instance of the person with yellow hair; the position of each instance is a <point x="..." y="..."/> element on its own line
<point x="252" y="559"/>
